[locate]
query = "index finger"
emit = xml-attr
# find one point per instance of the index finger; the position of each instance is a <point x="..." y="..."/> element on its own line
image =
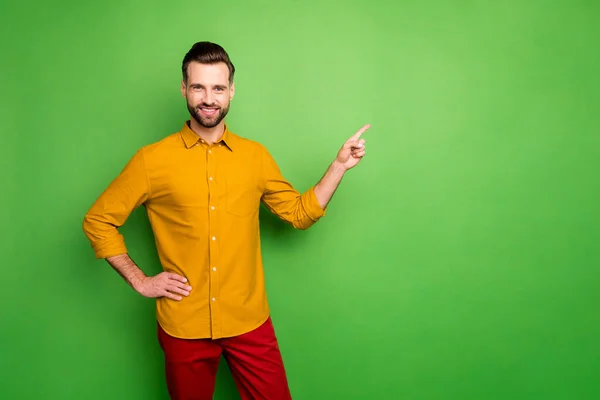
<point x="360" y="132"/>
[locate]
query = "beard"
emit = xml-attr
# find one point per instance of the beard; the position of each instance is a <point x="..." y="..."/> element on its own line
<point x="204" y="120"/>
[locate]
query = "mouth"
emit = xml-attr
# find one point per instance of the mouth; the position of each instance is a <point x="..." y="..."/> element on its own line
<point x="209" y="111"/>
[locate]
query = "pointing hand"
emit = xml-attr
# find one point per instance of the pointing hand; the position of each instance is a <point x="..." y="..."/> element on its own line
<point x="353" y="149"/>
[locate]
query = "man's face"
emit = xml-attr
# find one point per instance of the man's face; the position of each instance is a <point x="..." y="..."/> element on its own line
<point x="208" y="92"/>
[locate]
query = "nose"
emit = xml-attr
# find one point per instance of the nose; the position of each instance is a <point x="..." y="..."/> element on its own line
<point x="209" y="98"/>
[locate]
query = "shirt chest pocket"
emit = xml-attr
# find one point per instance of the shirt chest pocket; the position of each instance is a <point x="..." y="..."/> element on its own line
<point x="243" y="193"/>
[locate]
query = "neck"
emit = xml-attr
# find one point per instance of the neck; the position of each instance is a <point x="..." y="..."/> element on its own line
<point x="210" y="135"/>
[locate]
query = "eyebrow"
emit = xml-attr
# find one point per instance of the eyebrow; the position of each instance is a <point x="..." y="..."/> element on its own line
<point x="198" y="85"/>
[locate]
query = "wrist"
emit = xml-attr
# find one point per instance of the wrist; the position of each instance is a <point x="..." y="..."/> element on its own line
<point x="338" y="167"/>
<point x="137" y="283"/>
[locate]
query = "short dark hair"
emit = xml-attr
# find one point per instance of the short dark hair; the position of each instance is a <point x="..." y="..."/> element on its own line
<point x="207" y="53"/>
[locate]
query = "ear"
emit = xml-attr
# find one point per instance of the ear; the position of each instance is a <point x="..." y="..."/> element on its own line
<point x="232" y="91"/>
<point x="183" y="88"/>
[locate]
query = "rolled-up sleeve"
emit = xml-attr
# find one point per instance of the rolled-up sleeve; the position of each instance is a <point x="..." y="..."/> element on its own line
<point x="283" y="200"/>
<point x="109" y="212"/>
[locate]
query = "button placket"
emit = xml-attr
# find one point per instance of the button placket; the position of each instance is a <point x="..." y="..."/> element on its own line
<point x="213" y="184"/>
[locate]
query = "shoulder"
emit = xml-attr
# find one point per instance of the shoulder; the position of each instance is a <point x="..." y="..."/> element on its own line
<point x="248" y="145"/>
<point x="161" y="148"/>
<point x="167" y="143"/>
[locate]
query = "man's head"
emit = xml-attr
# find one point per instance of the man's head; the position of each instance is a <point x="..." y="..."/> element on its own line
<point x="207" y="83"/>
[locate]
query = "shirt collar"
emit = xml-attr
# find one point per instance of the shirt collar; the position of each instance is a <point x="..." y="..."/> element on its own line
<point x="191" y="139"/>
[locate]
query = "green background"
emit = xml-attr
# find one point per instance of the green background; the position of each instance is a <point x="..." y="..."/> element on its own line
<point x="459" y="260"/>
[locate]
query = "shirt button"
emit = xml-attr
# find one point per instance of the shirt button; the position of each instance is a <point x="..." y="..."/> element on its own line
<point x="214" y="268"/>
<point x="212" y="207"/>
<point x="209" y="151"/>
<point x="213" y="299"/>
<point x="214" y="238"/>
<point x="210" y="178"/>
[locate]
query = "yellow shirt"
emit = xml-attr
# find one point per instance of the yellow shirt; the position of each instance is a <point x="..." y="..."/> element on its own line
<point x="203" y="205"/>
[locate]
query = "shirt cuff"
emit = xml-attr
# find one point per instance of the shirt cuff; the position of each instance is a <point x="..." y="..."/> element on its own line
<point x="311" y="205"/>
<point x="109" y="248"/>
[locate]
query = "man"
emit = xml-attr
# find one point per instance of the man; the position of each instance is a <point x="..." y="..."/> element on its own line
<point x="202" y="188"/>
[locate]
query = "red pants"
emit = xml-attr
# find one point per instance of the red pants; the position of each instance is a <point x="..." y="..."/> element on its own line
<point x="253" y="358"/>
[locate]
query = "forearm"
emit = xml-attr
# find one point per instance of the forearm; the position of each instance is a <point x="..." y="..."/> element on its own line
<point x="127" y="268"/>
<point x="328" y="184"/>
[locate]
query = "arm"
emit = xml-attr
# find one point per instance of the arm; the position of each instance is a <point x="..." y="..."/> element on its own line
<point x="109" y="212"/>
<point x="303" y="210"/>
